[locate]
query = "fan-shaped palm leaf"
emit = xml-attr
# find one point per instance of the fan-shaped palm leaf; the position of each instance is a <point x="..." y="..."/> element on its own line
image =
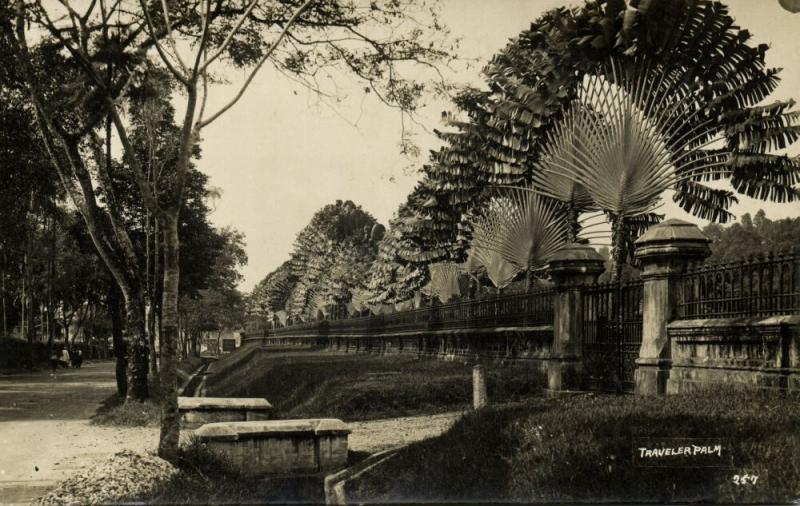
<point x="359" y="299"/>
<point x="444" y="280"/>
<point x="518" y="232"/>
<point x="637" y="130"/>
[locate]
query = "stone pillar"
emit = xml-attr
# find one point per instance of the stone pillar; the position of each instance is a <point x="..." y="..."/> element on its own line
<point x="571" y="267"/>
<point x="479" y="395"/>
<point x="665" y="251"/>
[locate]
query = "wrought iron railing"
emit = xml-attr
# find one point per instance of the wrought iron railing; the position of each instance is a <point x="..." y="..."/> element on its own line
<point x="612" y="333"/>
<point x="762" y="286"/>
<point x="769" y="285"/>
<point x="533" y="308"/>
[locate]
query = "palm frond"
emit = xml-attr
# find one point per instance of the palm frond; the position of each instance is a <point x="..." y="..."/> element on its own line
<point x="444" y="282"/>
<point x="519" y="231"/>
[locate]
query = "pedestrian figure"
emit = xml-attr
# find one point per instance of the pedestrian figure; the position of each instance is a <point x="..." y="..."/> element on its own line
<point x="53" y="361"/>
<point x="65" y="357"/>
<point x="77" y="359"/>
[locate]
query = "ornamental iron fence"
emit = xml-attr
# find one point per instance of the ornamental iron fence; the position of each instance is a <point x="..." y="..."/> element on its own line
<point x="754" y="287"/>
<point x="528" y="309"/>
<point x="612" y="334"/>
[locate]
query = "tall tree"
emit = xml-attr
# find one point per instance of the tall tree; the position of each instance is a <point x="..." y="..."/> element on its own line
<point x="331" y="257"/>
<point x="691" y="72"/>
<point x="219" y="306"/>
<point x="110" y="45"/>
<point x="753" y="236"/>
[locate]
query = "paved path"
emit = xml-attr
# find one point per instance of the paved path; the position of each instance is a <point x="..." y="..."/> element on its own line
<point x="45" y="433"/>
<point x="377" y="435"/>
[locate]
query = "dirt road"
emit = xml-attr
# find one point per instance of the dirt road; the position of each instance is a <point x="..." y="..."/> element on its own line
<point x="45" y="433"/>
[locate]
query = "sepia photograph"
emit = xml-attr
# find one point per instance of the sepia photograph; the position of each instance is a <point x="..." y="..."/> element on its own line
<point x="399" y="252"/>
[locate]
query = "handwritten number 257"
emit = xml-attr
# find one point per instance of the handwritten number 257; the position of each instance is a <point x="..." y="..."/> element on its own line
<point x="745" y="479"/>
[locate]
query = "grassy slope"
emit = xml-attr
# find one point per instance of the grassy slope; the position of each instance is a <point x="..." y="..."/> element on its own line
<point x="115" y="411"/>
<point x="580" y="449"/>
<point x="358" y="387"/>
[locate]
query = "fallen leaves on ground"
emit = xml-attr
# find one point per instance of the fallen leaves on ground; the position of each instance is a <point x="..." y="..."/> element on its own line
<point x="125" y="474"/>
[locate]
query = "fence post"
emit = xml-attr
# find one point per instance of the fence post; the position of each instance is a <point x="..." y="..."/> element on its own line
<point x="665" y="251"/>
<point x="479" y="396"/>
<point x="572" y="267"/>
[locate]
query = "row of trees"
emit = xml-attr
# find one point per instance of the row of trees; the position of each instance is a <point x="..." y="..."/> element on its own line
<point x="588" y="118"/>
<point x="753" y="236"/>
<point x="55" y="285"/>
<point x="54" y="276"/>
<point x="328" y="267"/>
<point x="101" y="76"/>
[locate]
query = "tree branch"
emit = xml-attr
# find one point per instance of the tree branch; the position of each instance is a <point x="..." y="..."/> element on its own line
<point x="234" y="30"/>
<point x="130" y="157"/>
<point x="258" y="66"/>
<point x="154" y="39"/>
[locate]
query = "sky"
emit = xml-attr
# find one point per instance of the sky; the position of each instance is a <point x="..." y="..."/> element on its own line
<point x="279" y="155"/>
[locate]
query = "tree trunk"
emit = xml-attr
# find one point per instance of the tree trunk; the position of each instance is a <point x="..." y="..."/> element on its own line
<point x="51" y="268"/>
<point x="618" y="255"/>
<point x="168" y="442"/>
<point x="66" y="324"/>
<point x="27" y="305"/>
<point x="5" y="316"/>
<point x="573" y="223"/>
<point x="155" y="292"/>
<point x="137" y="346"/>
<point x="120" y="352"/>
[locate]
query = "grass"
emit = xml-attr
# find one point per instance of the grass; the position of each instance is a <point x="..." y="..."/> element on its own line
<point x="114" y="411"/>
<point x="301" y="384"/>
<point x="186" y="367"/>
<point x="580" y="448"/>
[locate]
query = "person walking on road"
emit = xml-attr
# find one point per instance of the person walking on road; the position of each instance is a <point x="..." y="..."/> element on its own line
<point x="53" y="362"/>
<point x="77" y="359"/>
<point x="65" y="357"/>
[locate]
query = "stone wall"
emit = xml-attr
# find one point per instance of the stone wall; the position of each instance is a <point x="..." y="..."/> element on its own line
<point x="531" y="344"/>
<point x="752" y="352"/>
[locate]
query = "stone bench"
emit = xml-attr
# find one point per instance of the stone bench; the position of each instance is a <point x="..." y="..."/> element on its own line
<point x="279" y="446"/>
<point x="197" y="411"/>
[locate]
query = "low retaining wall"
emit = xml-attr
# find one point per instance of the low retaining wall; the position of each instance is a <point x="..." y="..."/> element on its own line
<point x="746" y="352"/>
<point x="524" y="344"/>
<point x="279" y="446"/>
<point x="197" y="411"/>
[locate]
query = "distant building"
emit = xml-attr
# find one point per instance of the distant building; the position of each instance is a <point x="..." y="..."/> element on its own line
<point x="218" y="342"/>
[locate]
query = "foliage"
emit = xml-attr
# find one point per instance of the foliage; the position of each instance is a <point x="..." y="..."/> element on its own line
<point x="271" y="294"/>
<point x="445" y="281"/>
<point x="397" y="273"/>
<point x="330" y="262"/>
<point x="684" y="72"/>
<point x="752" y="236"/>
<point x="17" y="353"/>
<point x="219" y="306"/>
<point x="519" y="231"/>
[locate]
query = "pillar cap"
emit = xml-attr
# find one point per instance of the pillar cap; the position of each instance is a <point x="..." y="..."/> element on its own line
<point x="578" y="258"/>
<point x="673" y="237"/>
